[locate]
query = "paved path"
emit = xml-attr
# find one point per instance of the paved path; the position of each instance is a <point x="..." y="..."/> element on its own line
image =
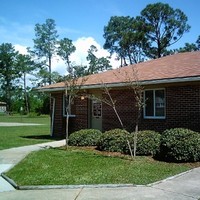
<point x="17" y="124"/>
<point x="185" y="186"/>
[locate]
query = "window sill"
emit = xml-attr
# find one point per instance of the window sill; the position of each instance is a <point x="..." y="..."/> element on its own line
<point x="154" y="117"/>
<point x="69" y="116"/>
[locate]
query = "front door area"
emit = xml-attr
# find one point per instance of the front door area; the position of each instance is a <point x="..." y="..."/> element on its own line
<point x="96" y="114"/>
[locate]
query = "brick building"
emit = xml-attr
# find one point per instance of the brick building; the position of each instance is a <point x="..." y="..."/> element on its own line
<point x="171" y="94"/>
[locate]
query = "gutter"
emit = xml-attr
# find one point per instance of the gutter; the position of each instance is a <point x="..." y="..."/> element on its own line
<point x="113" y="85"/>
<point x="52" y="116"/>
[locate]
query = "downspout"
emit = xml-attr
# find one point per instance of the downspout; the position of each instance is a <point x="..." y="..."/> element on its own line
<point x="52" y="116"/>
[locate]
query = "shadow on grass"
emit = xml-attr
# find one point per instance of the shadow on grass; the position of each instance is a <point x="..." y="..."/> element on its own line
<point x="42" y="137"/>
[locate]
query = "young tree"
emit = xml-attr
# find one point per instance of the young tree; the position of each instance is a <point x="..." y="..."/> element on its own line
<point x="45" y="43"/>
<point x="134" y="84"/>
<point x="72" y="82"/>
<point x="163" y="27"/>
<point x="112" y="103"/>
<point x="73" y="86"/>
<point x="8" y="71"/>
<point x="131" y="81"/>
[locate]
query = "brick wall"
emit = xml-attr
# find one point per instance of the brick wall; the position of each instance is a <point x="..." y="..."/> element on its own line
<point x="59" y="120"/>
<point x="80" y="109"/>
<point x="182" y="110"/>
<point x="125" y="106"/>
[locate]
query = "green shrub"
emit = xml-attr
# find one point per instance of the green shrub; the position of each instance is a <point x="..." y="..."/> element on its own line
<point x="84" y="137"/>
<point x="113" y="140"/>
<point x="148" y="142"/>
<point x="180" y="145"/>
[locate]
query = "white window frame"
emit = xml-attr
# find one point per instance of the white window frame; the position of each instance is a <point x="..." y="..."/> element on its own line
<point x="154" y="104"/>
<point x="64" y="108"/>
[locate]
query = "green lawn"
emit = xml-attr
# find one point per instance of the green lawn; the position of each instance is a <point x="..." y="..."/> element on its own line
<point x="24" y="135"/>
<point x="78" y="166"/>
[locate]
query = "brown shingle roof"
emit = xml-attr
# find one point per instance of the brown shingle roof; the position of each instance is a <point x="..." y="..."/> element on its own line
<point x="178" y="66"/>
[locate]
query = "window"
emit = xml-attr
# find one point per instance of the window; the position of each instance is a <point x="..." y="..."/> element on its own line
<point x="96" y="108"/>
<point x="154" y="103"/>
<point x="66" y="106"/>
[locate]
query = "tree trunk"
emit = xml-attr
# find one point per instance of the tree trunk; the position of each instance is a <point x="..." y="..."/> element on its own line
<point x="50" y="70"/>
<point x="67" y="130"/>
<point x="25" y="95"/>
<point x="135" y="140"/>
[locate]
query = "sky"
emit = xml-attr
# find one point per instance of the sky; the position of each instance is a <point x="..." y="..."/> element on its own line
<point x="82" y="21"/>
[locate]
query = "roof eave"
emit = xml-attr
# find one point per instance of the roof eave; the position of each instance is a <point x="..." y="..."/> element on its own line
<point x="112" y="85"/>
<point x="147" y="82"/>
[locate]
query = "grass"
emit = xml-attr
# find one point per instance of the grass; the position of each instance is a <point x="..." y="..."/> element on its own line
<point x="24" y="135"/>
<point x="78" y="166"/>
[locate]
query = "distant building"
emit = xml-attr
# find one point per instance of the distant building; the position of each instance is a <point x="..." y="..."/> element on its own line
<point x="3" y="107"/>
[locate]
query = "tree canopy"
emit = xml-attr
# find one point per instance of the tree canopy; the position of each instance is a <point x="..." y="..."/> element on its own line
<point x="8" y="71"/>
<point x="147" y="36"/>
<point x="45" y="43"/>
<point x="164" y="25"/>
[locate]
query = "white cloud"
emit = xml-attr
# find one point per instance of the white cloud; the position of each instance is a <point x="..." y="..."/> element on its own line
<point x="79" y="56"/>
<point x="83" y="44"/>
<point x="21" y="49"/>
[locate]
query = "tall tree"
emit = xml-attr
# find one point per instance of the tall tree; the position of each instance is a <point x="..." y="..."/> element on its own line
<point x="26" y="66"/>
<point x="45" y="43"/>
<point x="92" y="59"/>
<point x="80" y="70"/>
<point x="164" y="27"/>
<point x="198" y="42"/>
<point x="8" y="71"/>
<point x="65" y="49"/>
<point x="96" y="64"/>
<point x="191" y="46"/>
<point x="123" y="38"/>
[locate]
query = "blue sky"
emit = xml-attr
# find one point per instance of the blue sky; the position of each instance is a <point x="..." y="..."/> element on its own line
<point x="80" y="20"/>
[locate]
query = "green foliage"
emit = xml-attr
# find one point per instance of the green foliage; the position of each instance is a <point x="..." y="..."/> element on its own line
<point x="123" y="38"/>
<point x="113" y="140"/>
<point x="164" y="27"/>
<point x="96" y="64"/>
<point x="65" y="49"/>
<point x="148" y="142"/>
<point x="189" y="47"/>
<point x="148" y="35"/>
<point x="84" y="137"/>
<point x="45" y="43"/>
<point x="180" y="145"/>
<point x="9" y="72"/>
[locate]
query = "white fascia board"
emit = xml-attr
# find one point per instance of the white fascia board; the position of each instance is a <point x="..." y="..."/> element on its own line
<point x="151" y="82"/>
<point x="112" y="85"/>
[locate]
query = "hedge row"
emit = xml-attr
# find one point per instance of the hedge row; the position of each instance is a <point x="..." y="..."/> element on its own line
<point x="178" y="145"/>
<point x="85" y="137"/>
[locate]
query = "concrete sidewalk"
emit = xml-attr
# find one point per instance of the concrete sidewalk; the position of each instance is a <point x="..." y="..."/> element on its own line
<point x="10" y="157"/>
<point x="185" y="186"/>
<point x="9" y="124"/>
